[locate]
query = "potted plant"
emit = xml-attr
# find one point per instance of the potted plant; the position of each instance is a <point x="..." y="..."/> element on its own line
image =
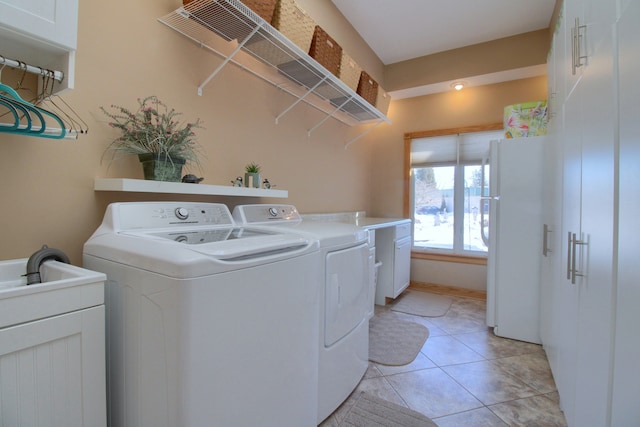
<point x="163" y="144"/>
<point x="252" y="172"/>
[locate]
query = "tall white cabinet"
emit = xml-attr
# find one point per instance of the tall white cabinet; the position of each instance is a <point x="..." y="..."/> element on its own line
<point x="625" y="409"/>
<point x="585" y="332"/>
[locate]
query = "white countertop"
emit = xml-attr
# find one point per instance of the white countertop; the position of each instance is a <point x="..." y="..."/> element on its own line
<point x="373" y="223"/>
<point x="357" y="218"/>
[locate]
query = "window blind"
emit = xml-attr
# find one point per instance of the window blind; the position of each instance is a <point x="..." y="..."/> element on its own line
<point x="452" y="149"/>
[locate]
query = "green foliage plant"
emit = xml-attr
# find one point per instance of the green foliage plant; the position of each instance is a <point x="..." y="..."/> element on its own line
<point x="153" y="129"/>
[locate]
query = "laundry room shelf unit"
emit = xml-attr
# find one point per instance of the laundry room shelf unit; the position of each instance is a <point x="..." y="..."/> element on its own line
<point x="149" y="186"/>
<point x="230" y="29"/>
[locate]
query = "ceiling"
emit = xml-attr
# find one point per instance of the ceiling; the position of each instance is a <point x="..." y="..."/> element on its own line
<point x="399" y="30"/>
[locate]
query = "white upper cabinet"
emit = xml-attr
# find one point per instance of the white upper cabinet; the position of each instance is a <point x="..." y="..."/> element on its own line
<point x="42" y="33"/>
<point x="52" y="22"/>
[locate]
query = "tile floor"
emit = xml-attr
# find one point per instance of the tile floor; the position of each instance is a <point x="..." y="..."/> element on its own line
<point x="466" y="376"/>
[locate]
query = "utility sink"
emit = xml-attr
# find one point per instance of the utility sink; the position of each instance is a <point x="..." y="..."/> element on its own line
<point x="64" y="288"/>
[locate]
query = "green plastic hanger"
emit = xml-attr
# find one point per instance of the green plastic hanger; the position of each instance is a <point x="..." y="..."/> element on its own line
<point x="15" y="99"/>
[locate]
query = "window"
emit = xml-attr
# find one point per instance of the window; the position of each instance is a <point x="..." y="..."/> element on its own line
<point x="448" y="176"/>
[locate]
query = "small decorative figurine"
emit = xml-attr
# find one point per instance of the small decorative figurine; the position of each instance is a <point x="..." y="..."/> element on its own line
<point x="266" y="184"/>
<point x="237" y="182"/>
<point x="191" y="179"/>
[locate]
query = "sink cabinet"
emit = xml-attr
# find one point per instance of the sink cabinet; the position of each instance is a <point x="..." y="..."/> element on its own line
<point x="52" y="347"/>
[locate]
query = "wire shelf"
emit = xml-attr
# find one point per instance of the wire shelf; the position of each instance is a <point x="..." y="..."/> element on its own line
<point x="233" y="31"/>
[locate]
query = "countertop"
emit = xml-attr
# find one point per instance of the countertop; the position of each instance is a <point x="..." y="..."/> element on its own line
<point x="371" y="223"/>
<point x="357" y="218"/>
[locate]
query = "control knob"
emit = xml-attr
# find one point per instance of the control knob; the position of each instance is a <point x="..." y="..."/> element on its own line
<point x="273" y="212"/>
<point x="182" y="213"/>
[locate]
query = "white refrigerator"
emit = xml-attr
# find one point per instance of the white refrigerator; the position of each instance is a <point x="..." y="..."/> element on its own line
<point x="515" y="237"/>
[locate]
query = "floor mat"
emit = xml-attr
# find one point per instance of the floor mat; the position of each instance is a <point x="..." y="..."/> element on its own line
<point x="371" y="411"/>
<point x="421" y="303"/>
<point x="393" y="341"/>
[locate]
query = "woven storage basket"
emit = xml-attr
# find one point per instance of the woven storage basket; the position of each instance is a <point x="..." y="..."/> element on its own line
<point x="367" y="88"/>
<point x="264" y="8"/>
<point x="382" y="101"/>
<point x="325" y="50"/>
<point x="349" y="71"/>
<point x="294" y="23"/>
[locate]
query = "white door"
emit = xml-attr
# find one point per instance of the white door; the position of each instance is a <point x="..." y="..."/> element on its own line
<point x="595" y="255"/>
<point x="517" y="239"/>
<point x="626" y="376"/>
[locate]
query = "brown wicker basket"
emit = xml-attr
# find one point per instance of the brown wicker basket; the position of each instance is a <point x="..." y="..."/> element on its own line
<point x="349" y="71"/>
<point x="382" y="101"/>
<point x="294" y="23"/>
<point x="368" y="88"/>
<point x="325" y="50"/>
<point x="264" y="8"/>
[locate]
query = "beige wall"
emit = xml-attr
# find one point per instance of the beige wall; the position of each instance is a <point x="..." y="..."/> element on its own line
<point x="471" y="106"/>
<point x="124" y="53"/>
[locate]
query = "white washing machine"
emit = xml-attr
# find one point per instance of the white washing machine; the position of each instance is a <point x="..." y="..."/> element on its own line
<point x="208" y="324"/>
<point x="344" y="301"/>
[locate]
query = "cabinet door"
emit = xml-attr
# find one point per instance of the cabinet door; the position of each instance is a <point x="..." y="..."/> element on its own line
<point x="572" y="19"/>
<point x="626" y="376"/>
<point x="565" y="294"/>
<point x="52" y="371"/>
<point x="402" y="265"/>
<point x="595" y="255"/>
<point x="51" y="21"/>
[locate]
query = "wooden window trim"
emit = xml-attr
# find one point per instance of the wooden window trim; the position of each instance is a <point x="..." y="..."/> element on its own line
<point x="461" y="259"/>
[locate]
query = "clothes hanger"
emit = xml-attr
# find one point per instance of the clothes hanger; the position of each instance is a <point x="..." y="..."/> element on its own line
<point x="16" y="100"/>
<point x="75" y="124"/>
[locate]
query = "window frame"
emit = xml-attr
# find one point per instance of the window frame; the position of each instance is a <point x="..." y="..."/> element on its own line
<point x="407" y="190"/>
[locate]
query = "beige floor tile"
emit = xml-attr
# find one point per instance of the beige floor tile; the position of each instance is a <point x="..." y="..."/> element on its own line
<point x="458" y="322"/>
<point x="533" y="369"/>
<point x="488" y="383"/>
<point x="532" y="411"/>
<point x="433" y="393"/>
<point x="446" y="350"/>
<point x="481" y="417"/>
<point x="493" y="347"/>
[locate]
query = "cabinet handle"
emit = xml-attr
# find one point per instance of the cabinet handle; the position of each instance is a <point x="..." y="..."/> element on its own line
<point x="574" y="270"/>
<point x="545" y="241"/>
<point x="569" y="246"/>
<point x="576" y="45"/>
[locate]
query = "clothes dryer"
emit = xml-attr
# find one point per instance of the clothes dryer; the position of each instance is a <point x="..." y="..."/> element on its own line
<point x="344" y="300"/>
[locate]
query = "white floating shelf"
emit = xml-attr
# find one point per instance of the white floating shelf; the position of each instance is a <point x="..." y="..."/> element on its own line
<point x="148" y="186"/>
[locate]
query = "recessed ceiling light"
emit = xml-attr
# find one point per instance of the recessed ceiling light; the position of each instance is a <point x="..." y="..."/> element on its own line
<point x="457" y="85"/>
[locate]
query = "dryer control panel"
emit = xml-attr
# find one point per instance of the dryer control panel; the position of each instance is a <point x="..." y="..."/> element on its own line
<point x="266" y="214"/>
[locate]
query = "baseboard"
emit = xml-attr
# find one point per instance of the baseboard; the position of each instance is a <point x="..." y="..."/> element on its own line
<point x="449" y="290"/>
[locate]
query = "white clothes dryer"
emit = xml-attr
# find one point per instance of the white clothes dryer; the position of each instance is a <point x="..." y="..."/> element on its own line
<point x="344" y="300"/>
<point x="208" y="324"/>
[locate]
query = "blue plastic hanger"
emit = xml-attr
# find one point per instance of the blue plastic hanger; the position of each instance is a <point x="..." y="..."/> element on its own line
<point x="15" y="99"/>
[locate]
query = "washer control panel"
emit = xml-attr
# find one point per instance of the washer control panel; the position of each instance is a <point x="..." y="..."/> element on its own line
<point x="263" y="214"/>
<point x="150" y="215"/>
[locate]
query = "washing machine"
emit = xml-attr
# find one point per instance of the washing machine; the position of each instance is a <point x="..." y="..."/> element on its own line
<point x="344" y="301"/>
<point x="208" y="324"/>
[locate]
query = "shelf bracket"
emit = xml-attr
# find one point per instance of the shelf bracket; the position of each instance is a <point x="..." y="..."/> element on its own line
<point x="328" y="116"/>
<point x="369" y="129"/>
<point x="310" y="91"/>
<point x="228" y="58"/>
